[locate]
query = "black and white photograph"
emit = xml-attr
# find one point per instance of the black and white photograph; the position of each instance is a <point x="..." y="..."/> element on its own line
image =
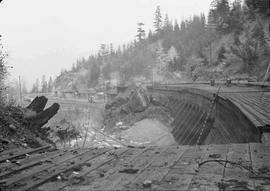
<point x="134" y="95"/>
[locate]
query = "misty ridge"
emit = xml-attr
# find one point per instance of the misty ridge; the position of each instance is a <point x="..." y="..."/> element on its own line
<point x="232" y="41"/>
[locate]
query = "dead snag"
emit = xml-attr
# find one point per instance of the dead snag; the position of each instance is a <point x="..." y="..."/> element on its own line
<point x="43" y="117"/>
<point x="38" y="104"/>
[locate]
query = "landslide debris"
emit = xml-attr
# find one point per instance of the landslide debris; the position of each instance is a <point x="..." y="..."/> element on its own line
<point x="134" y="105"/>
<point x="23" y="127"/>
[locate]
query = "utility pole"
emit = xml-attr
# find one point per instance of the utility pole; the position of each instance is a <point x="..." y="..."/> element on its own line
<point x="210" y="56"/>
<point x="152" y="74"/>
<point x="20" y="90"/>
<point x="210" y="26"/>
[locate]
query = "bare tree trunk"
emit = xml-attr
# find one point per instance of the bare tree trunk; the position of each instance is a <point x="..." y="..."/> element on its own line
<point x="39" y="116"/>
<point x="267" y="74"/>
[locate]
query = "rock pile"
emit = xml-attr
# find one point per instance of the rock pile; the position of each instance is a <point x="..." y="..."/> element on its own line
<point x="133" y="102"/>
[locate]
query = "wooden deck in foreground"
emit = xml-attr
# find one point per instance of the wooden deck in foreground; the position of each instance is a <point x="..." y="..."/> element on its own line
<point x="228" y="167"/>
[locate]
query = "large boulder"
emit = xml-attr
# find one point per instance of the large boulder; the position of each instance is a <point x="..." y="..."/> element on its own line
<point x="138" y="100"/>
<point x="117" y="102"/>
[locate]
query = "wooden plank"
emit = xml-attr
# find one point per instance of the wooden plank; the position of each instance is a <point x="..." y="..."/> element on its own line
<point x="181" y="173"/>
<point x="48" y="165"/>
<point x="40" y="156"/>
<point x="235" y="175"/>
<point x="210" y="174"/>
<point x="188" y="126"/>
<point x="238" y="153"/>
<point x="184" y="123"/>
<point x="176" y="107"/>
<point x="259" y="109"/>
<point x="175" y="182"/>
<point x="263" y="105"/>
<point x="181" y="119"/>
<point x="246" y="113"/>
<point x="24" y="152"/>
<point x="260" y="156"/>
<point x="196" y="132"/>
<point x="157" y="170"/>
<point x="224" y="132"/>
<point x="10" y="151"/>
<point x="28" y="163"/>
<point x="140" y="163"/>
<point x="180" y="114"/>
<point x="257" y="99"/>
<point x="214" y="152"/>
<point x="110" y="174"/>
<point x="89" y="174"/>
<point x="40" y="179"/>
<point x="251" y="109"/>
<point x="188" y="138"/>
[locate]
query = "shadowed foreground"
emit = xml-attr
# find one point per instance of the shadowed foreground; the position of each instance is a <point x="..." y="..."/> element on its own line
<point x="211" y="167"/>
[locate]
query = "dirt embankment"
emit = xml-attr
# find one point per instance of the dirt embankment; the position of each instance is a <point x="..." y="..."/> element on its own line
<point x="22" y="127"/>
<point x="134" y="117"/>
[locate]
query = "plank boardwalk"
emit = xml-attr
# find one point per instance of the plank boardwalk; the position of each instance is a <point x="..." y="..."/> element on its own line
<point x="209" y="167"/>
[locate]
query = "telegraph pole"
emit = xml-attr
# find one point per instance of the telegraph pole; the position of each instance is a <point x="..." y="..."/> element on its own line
<point x="210" y="26"/>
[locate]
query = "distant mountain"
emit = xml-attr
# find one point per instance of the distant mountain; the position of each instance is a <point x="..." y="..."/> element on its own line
<point x="232" y="42"/>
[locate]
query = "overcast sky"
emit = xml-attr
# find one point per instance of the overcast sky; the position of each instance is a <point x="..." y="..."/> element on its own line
<point x="45" y="36"/>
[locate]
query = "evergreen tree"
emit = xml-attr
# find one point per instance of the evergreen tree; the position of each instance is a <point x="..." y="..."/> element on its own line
<point x="167" y="26"/>
<point x="111" y="49"/>
<point x="221" y="53"/>
<point x="162" y="60"/>
<point x="183" y="26"/>
<point x="140" y="32"/>
<point x="220" y="12"/>
<point x="44" y="84"/>
<point x="36" y="90"/>
<point x="119" y="51"/>
<point x="150" y="36"/>
<point x="33" y="90"/>
<point x="261" y="7"/>
<point x="94" y="75"/>
<point x="258" y="34"/>
<point x="104" y="50"/>
<point x="158" y="20"/>
<point x="3" y="71"/>
<point x="236" y="17"/>
<point x="50" y="84"/>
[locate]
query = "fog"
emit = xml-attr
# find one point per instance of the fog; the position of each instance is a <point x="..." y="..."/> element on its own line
<point x="43" y="37"/>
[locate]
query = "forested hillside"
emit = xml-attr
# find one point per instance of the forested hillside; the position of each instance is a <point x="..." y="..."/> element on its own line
<point x="232" y="41"/>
